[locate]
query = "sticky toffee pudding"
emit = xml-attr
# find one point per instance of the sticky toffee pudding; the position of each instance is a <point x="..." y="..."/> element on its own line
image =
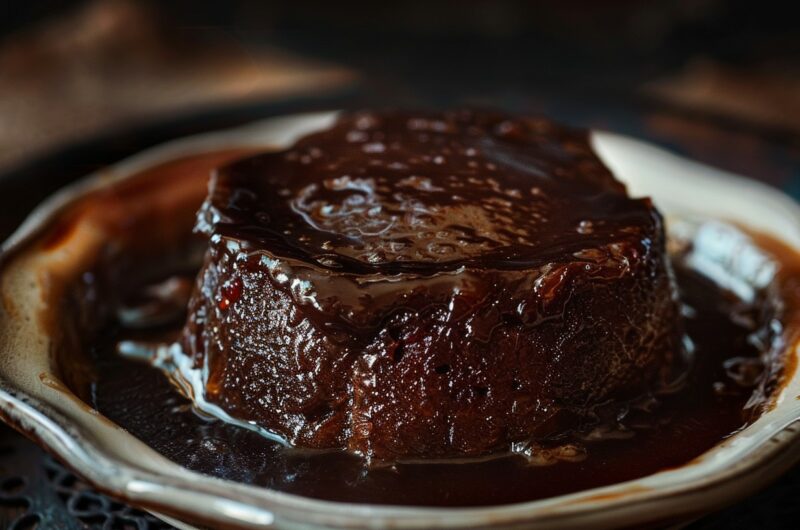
<point x="413" y="287"/>
<point x="442" y="309"/>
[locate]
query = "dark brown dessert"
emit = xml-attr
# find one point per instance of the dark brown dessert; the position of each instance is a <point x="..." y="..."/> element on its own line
<point x="740" y="298"/>
<point x="431" y="286"/>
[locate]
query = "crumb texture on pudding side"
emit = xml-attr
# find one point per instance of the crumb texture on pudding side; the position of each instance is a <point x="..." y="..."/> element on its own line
<point x="431" y="285"/>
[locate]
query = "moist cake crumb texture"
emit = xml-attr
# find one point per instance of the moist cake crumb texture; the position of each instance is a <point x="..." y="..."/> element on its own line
<point x="431" y="285"/>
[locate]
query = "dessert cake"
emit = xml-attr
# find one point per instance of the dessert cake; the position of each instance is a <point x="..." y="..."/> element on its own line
<point x="431" y="285"/>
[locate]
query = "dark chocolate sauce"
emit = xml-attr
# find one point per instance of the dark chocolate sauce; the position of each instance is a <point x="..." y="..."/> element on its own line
<point x="395" y="192"/>
<point x="140" y="399"/>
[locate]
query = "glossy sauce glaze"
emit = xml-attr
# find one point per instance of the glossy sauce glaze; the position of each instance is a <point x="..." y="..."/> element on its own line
<point x="393" y="192"/>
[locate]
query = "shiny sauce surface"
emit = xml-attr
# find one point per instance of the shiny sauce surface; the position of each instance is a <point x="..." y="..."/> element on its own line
<point x="396" y="192"/>
<point x="709" y="409"/>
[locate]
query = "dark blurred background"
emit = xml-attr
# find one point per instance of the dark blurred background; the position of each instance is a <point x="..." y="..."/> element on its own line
<point x="678" y="72"/>
<point x="85" y="83"/>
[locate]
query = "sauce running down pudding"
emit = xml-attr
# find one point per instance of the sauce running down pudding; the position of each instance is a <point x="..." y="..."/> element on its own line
<point x="428" y="286"/>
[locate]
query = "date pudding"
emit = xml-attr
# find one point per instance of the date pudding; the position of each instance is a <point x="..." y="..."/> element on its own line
<point x="443" y="309"/>
<point x="430" y="286"/>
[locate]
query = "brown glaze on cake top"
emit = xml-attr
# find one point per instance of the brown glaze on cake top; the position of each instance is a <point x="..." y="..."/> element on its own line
<point x="425" y="193"/>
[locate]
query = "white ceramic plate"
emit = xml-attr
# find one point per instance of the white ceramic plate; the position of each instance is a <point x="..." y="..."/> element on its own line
<point x="32" y="399"/>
